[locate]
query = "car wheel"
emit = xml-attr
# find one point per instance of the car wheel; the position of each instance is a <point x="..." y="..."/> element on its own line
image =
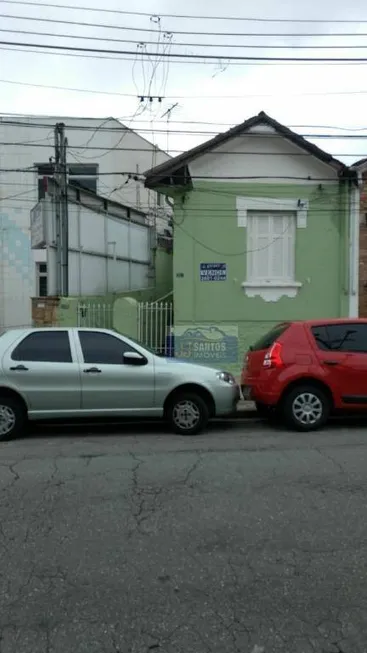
<point x="306" y="408"/>
<point x="13" y="418"/>
<point x="188" y="414"/>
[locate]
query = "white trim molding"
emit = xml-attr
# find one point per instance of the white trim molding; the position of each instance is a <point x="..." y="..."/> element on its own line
<point x="272" y="291"/>
<point x="245" y="204"/>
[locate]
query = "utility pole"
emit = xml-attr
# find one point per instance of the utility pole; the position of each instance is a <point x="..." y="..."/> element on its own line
<point x="62" y="214"/>
<point x="57" y="202"/>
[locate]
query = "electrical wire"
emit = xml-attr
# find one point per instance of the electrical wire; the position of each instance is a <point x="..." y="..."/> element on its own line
<point x="331" y="211"/>
<point x="179" y="122"/>
<point x="227" y="57"/>
<point x="187" y="16"/>
<point x="230" y="254"/>
<point x="245" y="46"/>
<point x="201" y="61"/>
<point x="150" y="149"/>
<point x="11" y="197"/>
<point x="203" y="177"/>
<point x="184" y="97"/>
<point x="184" y="132"/>
<point x="145" y="29"/>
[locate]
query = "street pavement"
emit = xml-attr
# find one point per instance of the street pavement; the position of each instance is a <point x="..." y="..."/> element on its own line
<point x="127" y="539"/>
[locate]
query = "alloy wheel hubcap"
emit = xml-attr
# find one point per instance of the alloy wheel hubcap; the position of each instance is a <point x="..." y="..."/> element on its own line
<point x="186" y="414"/>
<point x="307" y="408"/>
<point x="7" y="419"/>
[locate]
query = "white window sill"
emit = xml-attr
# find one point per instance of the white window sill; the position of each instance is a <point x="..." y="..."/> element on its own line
<point x="271" y="291"/>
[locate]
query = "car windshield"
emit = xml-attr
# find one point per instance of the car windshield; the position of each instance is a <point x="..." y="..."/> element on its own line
<point x="269" y="338"/>
<point x="149" y="349"/>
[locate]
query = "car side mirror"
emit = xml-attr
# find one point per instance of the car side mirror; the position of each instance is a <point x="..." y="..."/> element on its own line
<point x="133" y="358"/>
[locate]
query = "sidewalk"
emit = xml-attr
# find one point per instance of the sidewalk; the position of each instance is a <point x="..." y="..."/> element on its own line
<point x="245" y="409"/>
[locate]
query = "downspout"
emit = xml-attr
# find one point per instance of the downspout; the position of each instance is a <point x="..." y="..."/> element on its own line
<point x="353" y="237"/>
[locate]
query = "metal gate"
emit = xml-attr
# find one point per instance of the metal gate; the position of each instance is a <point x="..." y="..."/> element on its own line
<point x="155" y="322"/>
<point x="98" y="316"/>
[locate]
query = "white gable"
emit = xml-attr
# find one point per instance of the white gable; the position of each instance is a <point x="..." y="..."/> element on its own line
<point x="261" y="154"/>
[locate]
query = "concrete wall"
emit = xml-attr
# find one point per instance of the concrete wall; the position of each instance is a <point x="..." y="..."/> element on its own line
<point x="106" y="253"/>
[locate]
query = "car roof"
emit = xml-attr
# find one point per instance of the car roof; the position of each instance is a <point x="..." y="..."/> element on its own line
<point x="53" y="328"/>
<point x="332" y="320"/>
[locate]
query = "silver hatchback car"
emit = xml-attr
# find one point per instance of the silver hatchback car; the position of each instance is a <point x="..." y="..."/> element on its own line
<point x="68" y="373"/>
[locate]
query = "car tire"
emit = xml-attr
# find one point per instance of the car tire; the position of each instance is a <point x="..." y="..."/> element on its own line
<point x="13" y="418"/>
<point x="187" y="414"/>
<point x="306" y="408"/>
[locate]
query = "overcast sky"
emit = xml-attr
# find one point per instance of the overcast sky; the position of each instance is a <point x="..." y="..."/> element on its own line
<point x="295" y="94"/>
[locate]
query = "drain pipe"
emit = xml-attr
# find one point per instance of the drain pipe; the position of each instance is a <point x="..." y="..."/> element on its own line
<point x="354" y="209"/>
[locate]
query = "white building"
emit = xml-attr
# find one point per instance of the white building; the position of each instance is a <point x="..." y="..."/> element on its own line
<point x="109" y="244"/>
<point x="103" y="156"/>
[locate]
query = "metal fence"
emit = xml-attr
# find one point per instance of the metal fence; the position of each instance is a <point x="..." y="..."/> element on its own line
<point x="155" y="321"/>
<point x="98" y="316"/>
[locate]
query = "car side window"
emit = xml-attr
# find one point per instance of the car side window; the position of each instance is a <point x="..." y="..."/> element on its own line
<point x="321" y="337"/>
<point x="102" y="348"/>
<point x="44" y="347"/>
<point x="348" y="337"/>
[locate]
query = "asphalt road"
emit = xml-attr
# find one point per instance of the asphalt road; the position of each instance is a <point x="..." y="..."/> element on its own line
<point x="245" y="539"/>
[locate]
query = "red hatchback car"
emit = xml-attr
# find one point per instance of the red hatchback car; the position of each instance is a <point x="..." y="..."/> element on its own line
<point x="303" y="371"/>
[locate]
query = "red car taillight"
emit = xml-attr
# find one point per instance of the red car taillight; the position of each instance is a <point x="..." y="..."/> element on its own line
<point x="273" y="357"/>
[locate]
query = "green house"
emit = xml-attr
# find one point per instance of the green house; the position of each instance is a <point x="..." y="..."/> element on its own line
<point x="265" y="230"/>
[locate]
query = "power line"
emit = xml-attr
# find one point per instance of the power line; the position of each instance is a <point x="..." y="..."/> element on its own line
<point x="184" y="16"/>
<point x="170" y="55"/>
<point x="146" y="29"/>
<point x="183" y="132"/>
<point x="246" y="46"/>
<point x="183" y="97"/>
<point x="200" y="61"/>
<point x="145" y="208"/>
<point x="179" y="122"/>
<point x="176" y="152"/>
<point x="133" y="175"/>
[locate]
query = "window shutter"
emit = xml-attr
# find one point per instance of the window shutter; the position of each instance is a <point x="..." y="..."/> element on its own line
<point x="271" y="246"/>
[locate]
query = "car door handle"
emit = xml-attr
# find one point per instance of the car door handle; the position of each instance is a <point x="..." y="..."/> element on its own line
<point x="331" y="363"/>
<point x="19" y="368"/>
<point x="92" y="370"/>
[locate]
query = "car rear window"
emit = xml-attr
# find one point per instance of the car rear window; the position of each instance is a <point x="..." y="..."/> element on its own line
<point x="266" y="341"/>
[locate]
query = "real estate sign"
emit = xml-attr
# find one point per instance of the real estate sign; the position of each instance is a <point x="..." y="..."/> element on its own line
<point x="207" y="343"/>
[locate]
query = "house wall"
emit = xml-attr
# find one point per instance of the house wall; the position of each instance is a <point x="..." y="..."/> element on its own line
<point x="258" y="155"/>
<point x="206" y="230"/>
<point x="163" y="271"/>
<point x="25" y="144"/>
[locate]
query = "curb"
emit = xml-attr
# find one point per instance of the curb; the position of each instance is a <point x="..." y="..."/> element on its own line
<point x="242" y="414"/>
<point x="245" y="414"/>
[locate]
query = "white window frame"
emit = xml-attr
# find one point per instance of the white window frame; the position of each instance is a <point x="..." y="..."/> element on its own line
<point x="272" y="289"/>
<point x="41" y="275"/>
<point x="71" y="177"/>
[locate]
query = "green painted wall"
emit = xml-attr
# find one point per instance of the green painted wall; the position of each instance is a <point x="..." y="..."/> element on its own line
<point x="163" y="272"/>
<point x="206" y="231"/>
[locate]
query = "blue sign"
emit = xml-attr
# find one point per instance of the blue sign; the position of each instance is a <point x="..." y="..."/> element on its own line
<point x="206" y="343"/>
<point x="213" y="271"/>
